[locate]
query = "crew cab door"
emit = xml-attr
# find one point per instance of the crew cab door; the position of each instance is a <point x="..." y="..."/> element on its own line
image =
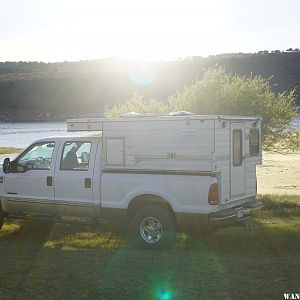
<point x="74" y="174"/>
<point x="28" y="188"/>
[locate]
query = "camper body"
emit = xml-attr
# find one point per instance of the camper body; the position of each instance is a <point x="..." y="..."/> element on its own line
<point x="157" y="172"/>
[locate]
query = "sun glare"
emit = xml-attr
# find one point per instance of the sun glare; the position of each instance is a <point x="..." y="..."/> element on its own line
<point x="135" y="30"/>
<point x="142" y="30"/>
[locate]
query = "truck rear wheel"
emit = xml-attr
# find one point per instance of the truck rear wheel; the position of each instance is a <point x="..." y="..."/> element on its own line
<point x="154" y="227"/>
<point x="1" y="217"/>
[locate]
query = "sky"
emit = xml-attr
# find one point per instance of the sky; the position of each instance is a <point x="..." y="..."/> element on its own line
<point x="71" y="30"/>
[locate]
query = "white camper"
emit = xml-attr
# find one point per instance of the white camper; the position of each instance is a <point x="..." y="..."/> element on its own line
<point x="159" y="172"/>
<point x="229" y="147"/>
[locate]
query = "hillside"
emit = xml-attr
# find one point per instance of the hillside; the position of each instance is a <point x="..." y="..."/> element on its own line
<point x="48" y="91"/>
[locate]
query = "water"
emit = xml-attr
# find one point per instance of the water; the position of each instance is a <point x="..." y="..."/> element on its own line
<point x="296" y="122"/>
<point x="21" y="135"/>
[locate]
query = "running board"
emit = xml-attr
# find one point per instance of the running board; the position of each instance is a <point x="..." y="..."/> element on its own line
<point x="73" y="220"/>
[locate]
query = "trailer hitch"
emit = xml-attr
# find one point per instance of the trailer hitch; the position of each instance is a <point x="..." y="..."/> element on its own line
<point x="248" y="225"/>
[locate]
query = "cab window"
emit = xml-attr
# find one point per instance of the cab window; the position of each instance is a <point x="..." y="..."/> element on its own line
<point x="76" y="156"/>
<point x="38" y="156"/>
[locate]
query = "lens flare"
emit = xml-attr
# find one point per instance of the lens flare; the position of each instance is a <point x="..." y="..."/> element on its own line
<point x="142" y="74"/>
<point x="163" y="295"/>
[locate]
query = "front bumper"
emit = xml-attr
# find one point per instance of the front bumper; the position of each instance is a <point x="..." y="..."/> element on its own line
<point x="233" y="216"/>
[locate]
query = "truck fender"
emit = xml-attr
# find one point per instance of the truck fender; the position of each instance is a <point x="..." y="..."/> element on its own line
<point x="154" y="191"/>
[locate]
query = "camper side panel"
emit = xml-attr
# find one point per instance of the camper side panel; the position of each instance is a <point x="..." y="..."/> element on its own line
<point x="172" y="145"/>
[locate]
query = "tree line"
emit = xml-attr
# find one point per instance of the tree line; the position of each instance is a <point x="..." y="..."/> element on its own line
<point x="48" y="91"/>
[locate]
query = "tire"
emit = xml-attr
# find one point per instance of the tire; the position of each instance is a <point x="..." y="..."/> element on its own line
<point x="1" y="217"/>
<point x="154" y="227"/>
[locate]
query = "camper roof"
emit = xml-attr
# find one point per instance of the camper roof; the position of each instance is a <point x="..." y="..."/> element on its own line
<point x="95" y="124"/>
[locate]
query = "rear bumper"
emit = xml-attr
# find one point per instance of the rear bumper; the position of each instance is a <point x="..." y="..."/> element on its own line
<point x="233" y="216"/>
<point x="238" y="215"/>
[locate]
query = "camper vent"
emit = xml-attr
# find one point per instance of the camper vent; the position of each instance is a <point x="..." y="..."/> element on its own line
<point x="180" y="113"/>
<point x="131" y="114"/>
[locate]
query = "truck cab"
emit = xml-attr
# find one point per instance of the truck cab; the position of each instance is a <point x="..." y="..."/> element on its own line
<point x="54" y="176"/>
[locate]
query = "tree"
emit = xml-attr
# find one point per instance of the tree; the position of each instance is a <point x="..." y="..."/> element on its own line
<point x="222" y="93"/>
<point x="229" y="94"/>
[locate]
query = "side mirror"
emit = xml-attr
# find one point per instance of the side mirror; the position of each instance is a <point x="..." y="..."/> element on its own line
<point x="13" y="167"/>
<point x="6" y="165"/>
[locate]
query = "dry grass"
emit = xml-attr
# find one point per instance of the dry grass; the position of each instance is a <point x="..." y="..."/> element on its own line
<point x="9" y="150"/>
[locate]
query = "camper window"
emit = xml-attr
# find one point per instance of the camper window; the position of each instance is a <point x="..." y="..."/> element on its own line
<point x="237" y="148"/>
<point x="254" y="142"/>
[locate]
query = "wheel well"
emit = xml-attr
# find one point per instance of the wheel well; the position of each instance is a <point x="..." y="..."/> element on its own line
<point x="144" y="200"/>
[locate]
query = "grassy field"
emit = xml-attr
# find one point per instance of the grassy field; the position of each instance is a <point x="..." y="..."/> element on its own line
<point x="61" y="261"/>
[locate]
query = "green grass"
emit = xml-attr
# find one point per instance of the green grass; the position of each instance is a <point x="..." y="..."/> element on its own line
<point x="61" y="261"/>
<point x="9" y="150"/>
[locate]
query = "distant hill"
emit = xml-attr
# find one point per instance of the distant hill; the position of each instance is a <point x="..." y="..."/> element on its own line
<point x="47" y="91"/>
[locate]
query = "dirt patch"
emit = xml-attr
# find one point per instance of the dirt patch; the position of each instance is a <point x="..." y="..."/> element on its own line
<point x="279" y="174"/>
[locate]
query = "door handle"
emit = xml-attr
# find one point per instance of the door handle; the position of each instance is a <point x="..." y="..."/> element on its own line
<point x="88" y="183"/>
<point x="49" y="181"/>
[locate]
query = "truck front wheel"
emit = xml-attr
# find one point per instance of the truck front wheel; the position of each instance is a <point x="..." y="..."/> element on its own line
<point x="154" y="227"/>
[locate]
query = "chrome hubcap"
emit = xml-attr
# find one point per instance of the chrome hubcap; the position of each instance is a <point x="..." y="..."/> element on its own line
<point x="151" y="230"/>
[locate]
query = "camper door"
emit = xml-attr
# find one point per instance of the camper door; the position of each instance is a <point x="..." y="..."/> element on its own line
<point x="237" y="162"/>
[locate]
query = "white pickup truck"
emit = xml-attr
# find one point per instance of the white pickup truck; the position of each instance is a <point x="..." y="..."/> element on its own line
<point x="158" y="173"/>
